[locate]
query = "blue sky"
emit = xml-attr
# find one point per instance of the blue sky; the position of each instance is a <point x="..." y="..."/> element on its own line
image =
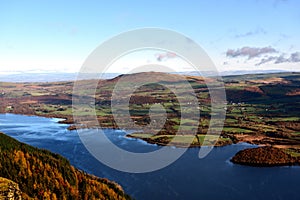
<point x="237" y="35"/>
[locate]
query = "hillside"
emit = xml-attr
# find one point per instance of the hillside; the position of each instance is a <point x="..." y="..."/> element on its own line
<point x="41" y="174"/>
<point x="261" y="108"/>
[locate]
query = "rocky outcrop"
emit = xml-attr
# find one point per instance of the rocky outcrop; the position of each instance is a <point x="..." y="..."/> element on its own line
<point x="265" y="157"/>
<point x="9" y="190"/>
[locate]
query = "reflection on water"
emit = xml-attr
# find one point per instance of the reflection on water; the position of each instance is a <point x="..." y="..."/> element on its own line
<point x="213" y="177"/>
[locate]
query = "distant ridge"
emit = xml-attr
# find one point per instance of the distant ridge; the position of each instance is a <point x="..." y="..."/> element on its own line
<point x="49" y="77"/>
<point x="56" y="76"/>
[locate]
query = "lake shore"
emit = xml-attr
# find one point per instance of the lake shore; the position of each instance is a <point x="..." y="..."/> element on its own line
<point x="249" y="157"/>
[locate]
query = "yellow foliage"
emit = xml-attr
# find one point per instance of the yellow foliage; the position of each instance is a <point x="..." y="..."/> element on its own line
<point x="43" y="175"/>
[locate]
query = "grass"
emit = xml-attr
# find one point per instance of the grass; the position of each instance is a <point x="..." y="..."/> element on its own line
<point x="184" y="127"/>
<point x="236" y="130"/>
<point x="293" y="152"/>
<point x="184" y="140"/>
<point x="36" y="94"/>
<point x="183" y="121"/>
<point x="284" y="119"/>
<point x="228" y="120"/>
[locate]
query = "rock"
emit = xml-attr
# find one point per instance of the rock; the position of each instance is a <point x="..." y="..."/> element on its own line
<point x="9" y="190"/>
<point x="264" y="157"/>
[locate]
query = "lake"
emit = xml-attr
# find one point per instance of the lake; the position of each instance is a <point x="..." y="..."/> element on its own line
<point x="213" y="177"/>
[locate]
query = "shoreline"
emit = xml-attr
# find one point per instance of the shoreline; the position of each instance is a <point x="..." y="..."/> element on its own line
<point x="178" y="144"/>
<point x="262" y="140"/>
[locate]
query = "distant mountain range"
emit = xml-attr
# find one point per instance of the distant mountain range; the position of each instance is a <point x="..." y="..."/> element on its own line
<point x="53" y="77"/>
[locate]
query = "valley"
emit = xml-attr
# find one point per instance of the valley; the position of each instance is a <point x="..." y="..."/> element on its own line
<point x="261" y="109"/>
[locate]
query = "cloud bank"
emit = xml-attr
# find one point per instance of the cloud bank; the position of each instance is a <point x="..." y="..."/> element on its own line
<point x="250" y="52"/>
<point x="257" y="52"/>
<point x="293" y="58"/>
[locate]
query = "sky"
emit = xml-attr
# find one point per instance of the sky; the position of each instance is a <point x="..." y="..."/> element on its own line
<point x="57" y="36"/>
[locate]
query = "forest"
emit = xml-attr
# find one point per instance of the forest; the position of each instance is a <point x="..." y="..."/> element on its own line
<point x="45" y="175"/>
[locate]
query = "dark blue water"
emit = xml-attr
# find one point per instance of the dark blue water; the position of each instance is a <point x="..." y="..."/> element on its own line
<point x="213" y="177"/>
